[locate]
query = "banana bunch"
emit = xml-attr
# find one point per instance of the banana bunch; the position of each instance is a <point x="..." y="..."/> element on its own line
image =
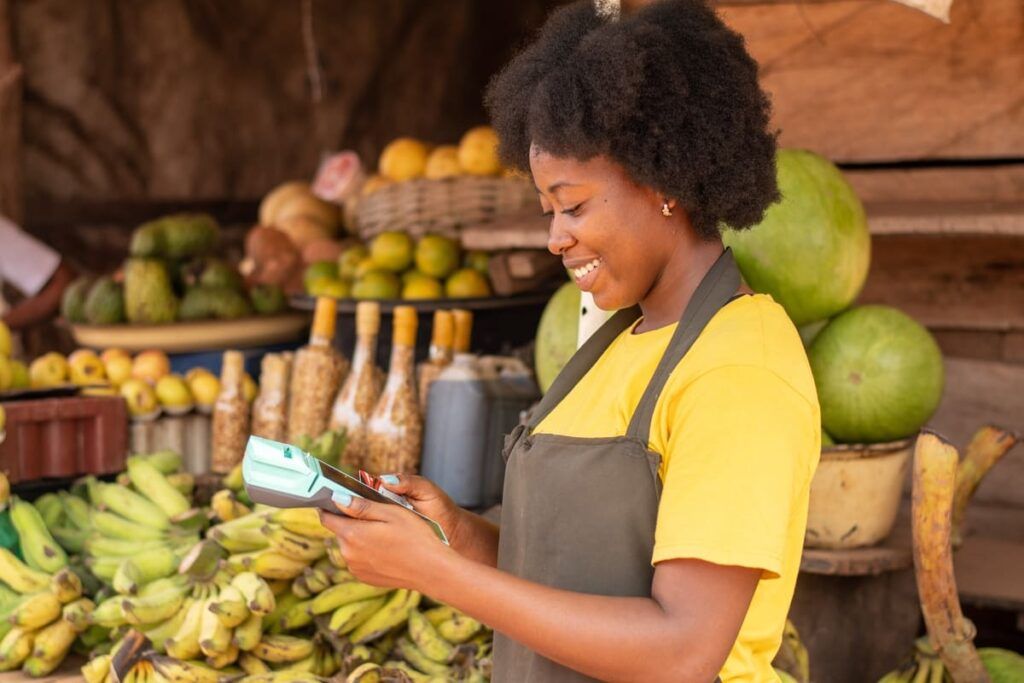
<point x="141" y="528"/>
<point x="43" y="622"/>
<point x="926" y="667"/>
<point x="66" y="516"/>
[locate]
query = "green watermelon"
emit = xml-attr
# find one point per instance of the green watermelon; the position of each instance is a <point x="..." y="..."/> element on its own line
<point x="812" y="249"/>
<point x="556" y="334"/>
<point x="879" y="375"/>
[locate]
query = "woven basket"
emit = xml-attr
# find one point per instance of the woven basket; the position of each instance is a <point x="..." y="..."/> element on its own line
<point x="441" y="207"/>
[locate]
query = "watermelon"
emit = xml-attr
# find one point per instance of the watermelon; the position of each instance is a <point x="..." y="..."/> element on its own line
<point x="556" y="334"/>
<point x="812" y="249"/>
<point x="879" y="375"/>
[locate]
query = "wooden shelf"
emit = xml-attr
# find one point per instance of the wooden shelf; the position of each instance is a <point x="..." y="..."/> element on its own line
<point x="946" y="218"/>
<point x="990" y="573"/>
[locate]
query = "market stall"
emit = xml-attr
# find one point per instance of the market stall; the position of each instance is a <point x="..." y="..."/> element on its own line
<point x="367" y="283"/>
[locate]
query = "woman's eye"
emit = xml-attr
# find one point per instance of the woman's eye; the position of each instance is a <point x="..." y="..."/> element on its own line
<point x="573" y="210"/>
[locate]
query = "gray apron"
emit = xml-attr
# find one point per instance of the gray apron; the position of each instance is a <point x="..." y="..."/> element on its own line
<point x="579" y="513"/>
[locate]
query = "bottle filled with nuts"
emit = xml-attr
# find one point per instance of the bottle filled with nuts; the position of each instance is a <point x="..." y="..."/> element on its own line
<point x="230" y="428"/>
<point x="317" y="373"/>
<point x="439" y="357"/>
<point x="270" y="409"/>
<point x="395" y="429"/>
<point x="362" y="387"/>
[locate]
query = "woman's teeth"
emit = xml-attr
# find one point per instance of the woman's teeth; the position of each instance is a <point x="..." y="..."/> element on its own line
<point x="582" y="271"/>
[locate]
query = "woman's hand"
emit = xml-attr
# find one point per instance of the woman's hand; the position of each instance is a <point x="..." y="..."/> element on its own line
<point x="386" y="545"/>
<point x="429" y="499"/>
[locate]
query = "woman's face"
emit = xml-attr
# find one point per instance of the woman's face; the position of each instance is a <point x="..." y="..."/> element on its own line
<point x="609" y="231"/>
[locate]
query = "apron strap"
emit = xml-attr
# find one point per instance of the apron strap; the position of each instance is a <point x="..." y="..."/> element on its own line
<point x="714" y="291"/>
<point x="582" y="361"/>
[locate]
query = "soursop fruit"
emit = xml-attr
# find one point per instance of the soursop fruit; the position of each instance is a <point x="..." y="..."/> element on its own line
<point x="105" y="303"/>
<point x="148" y="297"/>
<point x="72" y="302"/>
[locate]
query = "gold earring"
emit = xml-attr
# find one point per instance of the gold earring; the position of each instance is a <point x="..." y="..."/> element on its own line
<point x="665" y="210"/>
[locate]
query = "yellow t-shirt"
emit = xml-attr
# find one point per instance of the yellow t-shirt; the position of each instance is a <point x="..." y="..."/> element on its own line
<point x="738" y="429"/>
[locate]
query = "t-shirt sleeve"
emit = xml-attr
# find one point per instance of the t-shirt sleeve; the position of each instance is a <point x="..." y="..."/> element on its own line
<point x="741" y="447"/>
<point x="25" y="262"/>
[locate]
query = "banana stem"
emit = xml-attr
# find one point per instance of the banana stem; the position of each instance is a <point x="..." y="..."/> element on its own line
<point x="987" y="446"/>
<point x="935" y="465"/>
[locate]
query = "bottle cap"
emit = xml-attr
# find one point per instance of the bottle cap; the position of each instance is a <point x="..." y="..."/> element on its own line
<point x="324" y="318"/>
<point x="463" y="330"/>
<point x="232" y="367"/>
<point x="405" y="325"/>
<point x="367" y="317"/>
<point x="444" y="330"/>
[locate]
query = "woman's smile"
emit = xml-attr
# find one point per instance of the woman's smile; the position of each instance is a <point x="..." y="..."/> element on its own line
<point x="585" y="274"/>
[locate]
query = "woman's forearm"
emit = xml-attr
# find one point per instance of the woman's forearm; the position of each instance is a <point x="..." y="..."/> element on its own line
<point x="610" y="638"/>
<point x="476" y="538"/>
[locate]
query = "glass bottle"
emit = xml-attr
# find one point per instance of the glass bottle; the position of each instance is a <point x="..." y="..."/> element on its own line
<point x="395" y="429"/>
<point x="439" y="357"/>
<point x="316" y="375"/>
<point x="230" y="428"/>
<point x="463" y="331"/>
<point x="270" y="409"/>
<point x="358" y="395"/>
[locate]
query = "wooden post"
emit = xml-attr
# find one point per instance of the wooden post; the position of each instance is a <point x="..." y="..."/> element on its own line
<point x="11" y="198"/>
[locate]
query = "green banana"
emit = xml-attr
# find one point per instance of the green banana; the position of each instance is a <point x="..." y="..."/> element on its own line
<point x="284" y="602"/>
<point x="412" y="674"/>
<point x="71" y="538"/>
<point x="342" y="594"/>
<point x="280" y="649"/>
<point x="99" y="545"/>
<point x="459" y="629"/>
<point x="116" y="526"/>
<point x="160" y="632"/>
<point x="166" y="461"/>
<point x="133" y="506"/>
<point x="37" y="545"/>
<point x="350" y="616"/>
<point x="297" y="617"/>
<point x="127" y="578"/>
<point x="155" y="607"/>
<point x="50" y="509"/>
<point x="394" y="612"/>
<point x="19" y="576"/>
<point x="76" y="510"/>
<point x="109" y="613"/>
<point x="148" y="480"/>
<point x="184" y="482"/>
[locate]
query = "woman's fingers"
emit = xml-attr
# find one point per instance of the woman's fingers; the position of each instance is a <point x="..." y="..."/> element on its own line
<point x="408" y="485"/>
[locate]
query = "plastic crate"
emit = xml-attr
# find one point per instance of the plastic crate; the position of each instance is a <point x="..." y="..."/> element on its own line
<point x="64" y="437"/>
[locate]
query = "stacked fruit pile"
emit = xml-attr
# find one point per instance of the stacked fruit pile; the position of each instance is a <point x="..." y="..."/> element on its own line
<point x="392" y="266"/>
<point x="153" y="592"/>
<point x="171" y="274"/>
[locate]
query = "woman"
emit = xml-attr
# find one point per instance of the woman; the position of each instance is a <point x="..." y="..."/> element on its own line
<point x="655" y="504"/>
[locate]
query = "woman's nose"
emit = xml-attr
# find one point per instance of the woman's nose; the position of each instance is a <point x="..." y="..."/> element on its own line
<point x="559" y="239"/>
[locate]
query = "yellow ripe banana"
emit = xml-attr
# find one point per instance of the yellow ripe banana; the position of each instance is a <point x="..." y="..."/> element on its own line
<point x="15" y="648"/>
<point x="152" y="484"/>
<point x="241" y="539"/>
<point x="296" y="617"/>
<point x="306" y="664"/>
<point x="334" y="553"/>
<point x="412" y="674"/>
<point x="185" y="482"/>
<point x="280" y="649"/>
<point x="259" y="597"/>
<point x="51" y="645"/>
<point x="181" y="671"/>
<point x="326" y="665"/>
<point x="247" y="634"/>
<point x="95" y="670"/>
<point x="78" y="613"/>
<point x="233" y="480"/>
<point x="348" y="617"/>
<point x="279" y="586"/>
<point x="20" y="576"/>
<point x="133" y="506"/>
<point x="115" y="526"/>
<point x="37" y="545"/>
<point x="214" y="636"/>
<point x="285" y="601"/>
<point x="127" y="578"/>
<point x="66" y="585"/>
<point x="342" y="594"/>
<point x="242" y="562"/>
<point x="407" y="650"/>
<point x="365" y="673"/>
<point x="252" y="665"/>
<point x="36" y="611"/>
<point x="300" y="589"/>
<point x="459" y="629"/>
<point x="394" y="612"/>
<point x="151" y="609"/>
<point x="273" y="565"/>
<point x="223" y="659"/>
<point x="226" y="506"/>
<point x="253" y="520"/>
<point x="230" y="607"/>
<point x="109" y="613"/>
<point x="184" y="644"/>
<point x="315" y="580"/>
<point x="427" y="639"/>
<point x="435" y="615"/>
<point x="302" y="521"/>
<point x="163" y="631"/>
<point x="293" y="545"/>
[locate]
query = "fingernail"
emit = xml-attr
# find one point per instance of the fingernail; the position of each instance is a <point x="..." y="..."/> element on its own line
<point x="342" y="499"/>
<point x="390" y="479"/>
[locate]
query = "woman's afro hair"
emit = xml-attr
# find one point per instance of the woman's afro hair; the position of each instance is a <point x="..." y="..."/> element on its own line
<point x="669" y="92"/>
